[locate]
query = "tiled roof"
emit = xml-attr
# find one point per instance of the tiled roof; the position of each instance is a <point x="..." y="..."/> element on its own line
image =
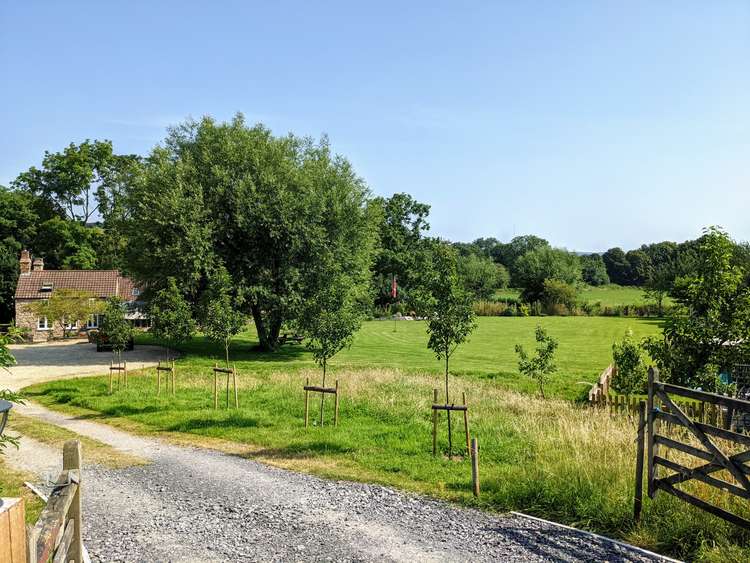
<point x="101" y="283"/>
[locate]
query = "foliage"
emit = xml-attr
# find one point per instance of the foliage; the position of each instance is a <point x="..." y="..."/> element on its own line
<point x="114" y="327"/>
<point x="542" y="365"/>
<point x="559" y="293"/>
<point x="7" y="360"/>
<point x="81" y="181"/>
<point x="402" y="222"/>
<point x="446" y="305"/>
<point x="221" y="318"/>
<point x="712" y="325"/>
<point x="171" y="318"/>
<point x="508" y="254"/>
<point x="481" y="276"/>
<point x="640" y="267"/>
<point x="545" y="263"/>
<point x="268" y="209"/>
<point x="67" y="306"/>
<point x="330" y="319"/>
<point x="630" y="374"/>
<point x="593" y="270"/>
<point x="618" y="267"/>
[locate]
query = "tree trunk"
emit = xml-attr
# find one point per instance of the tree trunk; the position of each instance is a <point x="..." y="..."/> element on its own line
<point x="323" y="395"/>
<point x="226" y="350"/>
<point x="260" y="328"/>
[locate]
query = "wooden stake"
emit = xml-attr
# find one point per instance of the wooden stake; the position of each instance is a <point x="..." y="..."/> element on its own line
<point x="434" y="422"/>
<point x="125" y="373"/>
<point x="307" y="400"/>
<point x="174" y="390"/>
<point x="158" y="379"/>
<point x="227" y="389"/>
<point x="110" y="378"/>
<point x="640" y="444"/>
<point x="475" y="466"/>
<point x="466" y="423"/>
<point x="652" y="378"/>
<point x="72" y="461"/>
<point x="216" y="387"/>
<point x="234" y="379"/>
<point x="336" y="405"/>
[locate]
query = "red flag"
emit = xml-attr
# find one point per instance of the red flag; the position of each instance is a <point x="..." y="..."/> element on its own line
<point x="394" y="288"/>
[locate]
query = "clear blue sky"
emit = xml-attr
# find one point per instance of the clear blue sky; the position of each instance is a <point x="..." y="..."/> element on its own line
<point x="593" y="124"/>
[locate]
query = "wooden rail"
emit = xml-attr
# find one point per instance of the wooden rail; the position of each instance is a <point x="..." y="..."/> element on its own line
<point x="229" y="373"/>
<point x="169" y="368"/>
<point x="601" y="387"/>
<point x="323" y="391"/>
<point x="57" y="533"/>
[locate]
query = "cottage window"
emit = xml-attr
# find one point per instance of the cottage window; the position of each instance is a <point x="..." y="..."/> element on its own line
<point x="71" y="326"/>
<point x="93" y="322"/>
<point x="42" y="324"/>
<point x="136" y="292"/>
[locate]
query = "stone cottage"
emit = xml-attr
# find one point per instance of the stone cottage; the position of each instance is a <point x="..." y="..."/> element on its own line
<point x="36" y="283"/>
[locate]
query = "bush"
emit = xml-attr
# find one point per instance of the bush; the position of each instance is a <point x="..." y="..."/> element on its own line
<point x="559" y="297"/>
<point x="630" y="375"/>
<point x="490" y="308"/>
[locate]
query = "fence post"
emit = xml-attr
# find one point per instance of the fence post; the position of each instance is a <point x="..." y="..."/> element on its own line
<point x="434" y="422"/>
<point x="307" y="400"/>
<point x="336" y="405"/>
<point x="653" y="377"/>
<point x="638" y="502"/>
<point x="216" y="387"/>
<point x="234" y="380"/>
<point x="466" y="422"/>
<point x="475" y="466"/>
<point x="72" y="461"/>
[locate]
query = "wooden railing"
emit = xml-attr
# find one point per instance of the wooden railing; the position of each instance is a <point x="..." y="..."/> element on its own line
<point x="600" y="390"/>
<point x="56" y="536"/>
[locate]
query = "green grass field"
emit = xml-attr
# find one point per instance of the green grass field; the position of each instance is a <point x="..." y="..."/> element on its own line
<point x="553" y="459"/>
<point x="608" y="295"/>
<point x="585" y="350"/>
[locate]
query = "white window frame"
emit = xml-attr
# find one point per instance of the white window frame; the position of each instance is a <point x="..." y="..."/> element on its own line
<point x="93" y="322"/>
<point x="69" y="326"/>
<point x="42" y="325"/>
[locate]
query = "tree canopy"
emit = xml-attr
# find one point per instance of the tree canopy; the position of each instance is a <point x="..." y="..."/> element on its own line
<point x="545" y="263"/>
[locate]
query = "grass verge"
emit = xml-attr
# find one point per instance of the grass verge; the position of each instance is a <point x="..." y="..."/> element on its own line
<point x="551" y="459"/>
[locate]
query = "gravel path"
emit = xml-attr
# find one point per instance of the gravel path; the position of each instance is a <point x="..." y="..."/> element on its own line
<point x="65" y="359"/>
<point x="193" y="504"/>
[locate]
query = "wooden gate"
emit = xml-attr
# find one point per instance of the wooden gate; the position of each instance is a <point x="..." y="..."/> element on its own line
<point x="722" y="450"/>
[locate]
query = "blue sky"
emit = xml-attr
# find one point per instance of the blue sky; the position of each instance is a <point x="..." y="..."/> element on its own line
<point x="593" y="124"/>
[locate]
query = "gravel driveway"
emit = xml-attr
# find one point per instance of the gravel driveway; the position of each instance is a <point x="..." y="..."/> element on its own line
<point x="191" y="504"/>
<point x="65" y="359"/>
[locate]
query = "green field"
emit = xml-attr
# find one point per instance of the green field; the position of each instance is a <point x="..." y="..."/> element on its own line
<point x="553" y="458"/>
<point x="608" y="295"/>
<point x="585" y="350"/>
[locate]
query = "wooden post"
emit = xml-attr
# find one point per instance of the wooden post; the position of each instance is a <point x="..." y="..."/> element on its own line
<point x="640" y="444"/>
<point x="158" y="379"/>
<point x="228" y="389"/>
<point x="125" y="373"/>
<point x="72" y="461"/>
<point x="434" y="423"/>
<point x="652" y="378"/>
<point x="216" y="387"/>
<point x="32" y="537"/>
<point x="12" y="530"/>
<point x="475" y="466"/>
<point x="307" y="400"/>
<point x="110" y="378"/>
<point x="336" y="405"/>
<point x="174" y="391"/>
<point x="466" y="423"/>
<point x="234" y="380"/>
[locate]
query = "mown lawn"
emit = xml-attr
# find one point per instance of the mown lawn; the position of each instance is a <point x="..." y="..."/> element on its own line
<point x="585" y="350"/>
<point x="608" y="295"/>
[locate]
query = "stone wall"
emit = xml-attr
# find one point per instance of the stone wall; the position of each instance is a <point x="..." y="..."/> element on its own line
<point x="26" y="320"/>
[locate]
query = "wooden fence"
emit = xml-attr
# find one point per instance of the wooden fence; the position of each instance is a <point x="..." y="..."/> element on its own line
<point x="56" y="536"/>
<point x="600" y="389"/>
<point x="701" y="411"/>
<point x="724" y="453"/>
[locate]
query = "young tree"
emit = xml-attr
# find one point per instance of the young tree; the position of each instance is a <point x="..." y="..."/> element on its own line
<point x="329" y="321"/>
<point x="67" y="307"/>
<point x="541" y="366"/>
<point x="171" y="319"/>
<point x="114" y="327"/>
<point x="630" y="374"/>
<point x="447" y="307"/>
<point x="481" y="275"/>
<point x="221" y="318"/>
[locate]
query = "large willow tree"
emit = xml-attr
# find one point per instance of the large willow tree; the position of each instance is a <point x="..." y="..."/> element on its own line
<point x="274" y="211"/>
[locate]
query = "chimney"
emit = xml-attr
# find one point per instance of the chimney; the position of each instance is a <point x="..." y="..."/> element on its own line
<point x="38" y="264"/>
<point x="25" y="262"/>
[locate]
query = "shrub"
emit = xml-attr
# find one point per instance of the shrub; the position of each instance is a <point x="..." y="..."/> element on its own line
<point x="491" y="308"/>
<point x="630" y="375"/>
<point x="542" y="365"/>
